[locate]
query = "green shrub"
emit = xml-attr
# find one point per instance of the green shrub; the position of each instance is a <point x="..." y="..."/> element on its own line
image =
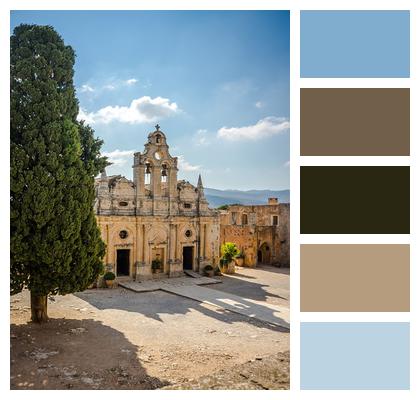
<point x="229" y="252"/>
<point x="109" y="276"/>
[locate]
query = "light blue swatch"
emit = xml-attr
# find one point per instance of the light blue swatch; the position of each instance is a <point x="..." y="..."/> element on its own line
<point x="355" y="355"/>
<point x="355" y="44"/>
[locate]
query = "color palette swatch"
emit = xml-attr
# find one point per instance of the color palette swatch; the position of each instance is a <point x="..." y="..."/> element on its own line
<point x="371" y="199"/>
<point x="355" y="277"/>
<point x="355" y="122"/>
<point x="354" y="44"/>
<point x="355" y="200"/>
<point x="355" y="355"/>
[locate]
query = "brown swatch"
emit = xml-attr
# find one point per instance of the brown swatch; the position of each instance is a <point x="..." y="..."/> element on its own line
<point x="354" y="277"/>
<point x="355" y="200"/>
<point x="355" y="122"/>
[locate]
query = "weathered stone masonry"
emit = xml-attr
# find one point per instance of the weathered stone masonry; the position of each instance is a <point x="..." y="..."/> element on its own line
<point x="155" y="217"/>
<point x="261" y="232"/>
<point x="158" y="217"/>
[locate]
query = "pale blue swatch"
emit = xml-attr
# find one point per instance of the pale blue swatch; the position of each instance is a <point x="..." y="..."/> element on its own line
<point x="355" y="355"/>
<point x="355" y="44"/>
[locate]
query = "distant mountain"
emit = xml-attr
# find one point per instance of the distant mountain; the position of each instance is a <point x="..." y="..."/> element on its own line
<point x="217" y="198"/>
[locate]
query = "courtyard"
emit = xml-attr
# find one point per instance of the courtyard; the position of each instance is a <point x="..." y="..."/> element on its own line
<point x="120" y="339"/>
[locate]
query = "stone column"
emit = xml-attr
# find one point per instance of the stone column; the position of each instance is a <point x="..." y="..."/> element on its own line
<point x="138" y="172"/>
<point x="202" y="239"/>
<point x="176" y="242"/>
<point x="172" y="182"/>
<point x="207" y="247"/>
<point x="172" y="242"/>
<point x="107" y="244"/>
<point x="156" y="180"/>
<point x="139" y="242"/>
<point x="144" y="243"/>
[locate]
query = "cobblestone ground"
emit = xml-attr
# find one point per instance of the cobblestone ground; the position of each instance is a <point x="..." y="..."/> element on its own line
<point x="118" y="339"/>
<point x="263" y="373"/>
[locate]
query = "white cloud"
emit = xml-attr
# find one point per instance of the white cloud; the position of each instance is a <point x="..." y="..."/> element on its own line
<point x="269" y="126"/>
<point x="184" y="165"/>
<point x="86" y="89"/>
<point x="259" y="104"/>
<point x="200" y="138"/>
<point x="141" y="110"/>
<point x="83" y="115"/>
<point x="131" y="81"/>
<point x="119" y="157"/>
<point x="109" y="87"/>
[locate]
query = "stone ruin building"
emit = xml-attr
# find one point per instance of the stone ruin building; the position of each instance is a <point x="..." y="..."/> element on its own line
<point x="155" y="219"/>
<point x="261" y="232"/>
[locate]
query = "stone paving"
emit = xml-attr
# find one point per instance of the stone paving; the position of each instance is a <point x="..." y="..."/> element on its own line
<point x="192" y="288"/>
<point x="163" y="284"/>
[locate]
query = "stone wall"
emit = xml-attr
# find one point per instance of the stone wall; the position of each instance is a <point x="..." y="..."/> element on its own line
<point x="163" y="238"/>
<point x="261" y="232"/>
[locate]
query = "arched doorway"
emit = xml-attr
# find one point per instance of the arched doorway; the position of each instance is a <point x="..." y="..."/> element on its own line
<point x="264" y="254"/>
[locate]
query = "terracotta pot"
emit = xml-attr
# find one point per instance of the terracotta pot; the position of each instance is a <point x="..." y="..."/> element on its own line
<point x="109" y="284"/>
<point x="239" y="262"/>
<point x="231" y="268"/>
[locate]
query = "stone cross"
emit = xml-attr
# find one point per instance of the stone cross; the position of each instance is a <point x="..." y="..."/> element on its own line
<point x="157" y="127"/>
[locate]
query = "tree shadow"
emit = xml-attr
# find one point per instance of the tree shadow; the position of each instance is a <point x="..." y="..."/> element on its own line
<point x="75" y="354"/>
<point x="265" y="312"/>
<point x="251" y="290"/>
<point x="284" y="270"/>
<point x="273" y="269"/>
<point x="244" y="276"/>
<point x="154" y="304"/>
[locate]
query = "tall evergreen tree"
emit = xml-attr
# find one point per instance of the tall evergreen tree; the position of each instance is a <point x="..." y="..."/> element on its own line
<point x="56" y="247"/>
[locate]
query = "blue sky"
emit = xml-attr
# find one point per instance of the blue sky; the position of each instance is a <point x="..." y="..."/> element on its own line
<point x="217" y="82"/>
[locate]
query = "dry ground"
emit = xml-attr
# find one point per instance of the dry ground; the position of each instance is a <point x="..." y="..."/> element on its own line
<point x="117" y="339"/>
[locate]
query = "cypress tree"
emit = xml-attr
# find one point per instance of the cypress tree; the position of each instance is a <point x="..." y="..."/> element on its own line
<point x="56" y="246"/>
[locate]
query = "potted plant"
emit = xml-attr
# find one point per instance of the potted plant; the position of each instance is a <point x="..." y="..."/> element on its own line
<point x="217" y="271"/>
<point x="229" y="252"/>
<point x="240" y="259"/>
<point x="156" y="264"/>
<point x="109" y="278"/>
<point x="208" y="271"/>
<point x="223" y="265"/>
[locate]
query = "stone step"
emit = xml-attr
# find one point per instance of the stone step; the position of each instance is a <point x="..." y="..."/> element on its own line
<point x="191" y="273"/>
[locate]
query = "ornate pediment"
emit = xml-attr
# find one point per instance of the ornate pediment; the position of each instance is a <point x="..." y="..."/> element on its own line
<point x="157" y="236"/>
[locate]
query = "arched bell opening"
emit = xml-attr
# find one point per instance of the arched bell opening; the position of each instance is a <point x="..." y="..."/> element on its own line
<point x="147" y="173"/>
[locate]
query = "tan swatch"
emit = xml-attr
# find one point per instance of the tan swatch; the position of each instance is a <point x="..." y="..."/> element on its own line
<point x="354" y="277"/>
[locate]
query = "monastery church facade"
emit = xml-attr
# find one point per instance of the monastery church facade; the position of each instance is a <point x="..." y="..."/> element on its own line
<point x="155" y="219"/>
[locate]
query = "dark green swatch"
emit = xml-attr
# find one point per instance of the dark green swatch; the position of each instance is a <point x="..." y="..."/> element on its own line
<point x="357" y="200"/>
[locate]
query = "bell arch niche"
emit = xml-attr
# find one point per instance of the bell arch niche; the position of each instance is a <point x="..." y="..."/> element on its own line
<point x="147" y="172"/>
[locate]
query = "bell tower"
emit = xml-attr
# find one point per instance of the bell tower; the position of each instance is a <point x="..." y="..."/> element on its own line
<point x="155" y="176"/>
